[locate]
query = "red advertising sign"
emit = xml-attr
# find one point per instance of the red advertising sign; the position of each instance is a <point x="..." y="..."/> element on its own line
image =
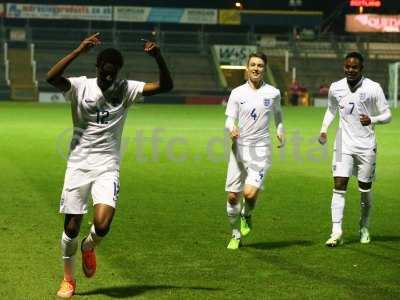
<point x="372" y="23"/>
<point x="366" y="3"/>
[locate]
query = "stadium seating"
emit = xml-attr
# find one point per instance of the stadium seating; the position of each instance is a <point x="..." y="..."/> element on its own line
<point x="4" y="90"/>
<point x="320" y="62"/>
<point x="312" y="74"/>
<point x="187" y="53"/>
<point x="190" y="72"/>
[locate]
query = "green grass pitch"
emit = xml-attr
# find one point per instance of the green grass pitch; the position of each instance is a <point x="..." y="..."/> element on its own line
<point x="169" y="236"/>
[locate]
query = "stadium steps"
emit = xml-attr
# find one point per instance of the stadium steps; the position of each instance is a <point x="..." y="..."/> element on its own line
<point x="282" y="78"/>
<point x="21" y="78"/>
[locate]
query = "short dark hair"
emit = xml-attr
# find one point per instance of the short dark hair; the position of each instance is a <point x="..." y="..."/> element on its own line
<point x="356" y="55"/>
<point x="259" y="55"/>
<point x="110" y="55"/>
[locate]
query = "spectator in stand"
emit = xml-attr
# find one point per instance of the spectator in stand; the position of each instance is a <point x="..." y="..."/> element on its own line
<point x="323" y="89"/>
<point x="295" y="91"/>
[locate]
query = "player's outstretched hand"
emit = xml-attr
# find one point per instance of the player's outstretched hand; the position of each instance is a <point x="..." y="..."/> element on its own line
<point x="89" y="43"/>
<point x="151" y="48"/>
<point x="234" y="133"/>
<point x="323" y="138"/>
<point x="281" y="139"/>
<point x="365" y="120"/>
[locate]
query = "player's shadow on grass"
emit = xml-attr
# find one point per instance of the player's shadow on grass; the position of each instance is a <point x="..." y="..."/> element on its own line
<point x="280" y="244"/>
<point x="135" y="290"/>
<point x="375" y="238"/>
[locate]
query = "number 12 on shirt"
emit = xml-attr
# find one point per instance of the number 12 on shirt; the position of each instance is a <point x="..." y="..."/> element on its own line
<point x="102" y="116"/>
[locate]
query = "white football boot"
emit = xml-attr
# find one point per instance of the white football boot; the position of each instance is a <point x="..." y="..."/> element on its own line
<point x="334" y="240"/>
<point x="364" y="236"/>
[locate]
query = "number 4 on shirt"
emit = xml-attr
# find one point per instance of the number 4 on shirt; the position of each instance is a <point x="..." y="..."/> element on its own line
<point x="253" y="114"/>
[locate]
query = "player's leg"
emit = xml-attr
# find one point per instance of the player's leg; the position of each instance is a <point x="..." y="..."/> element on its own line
<point x="73" y="205"/>
<point x="69" y="246"/>
<point x="258" y="163"/>
<point x="233" y="208"/>
<point x="234" y="186"/>
<point x="250" y="194"/>
<point x="365" y="209"/>
<point x="103" y="216"/>
<point x="342" y="167"/>
<point x="366" y="173"/>
<point x="69" y="243"/>
<point x="337" y="210"/>
<point x="105" y="190"/>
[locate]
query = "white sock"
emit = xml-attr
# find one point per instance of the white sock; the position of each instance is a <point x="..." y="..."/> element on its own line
<point x="92" y="240"/>
<point x="233" y="212"/>
<point x="365" y="207"/>
<point x="337" y="208"/>
<point x="248" y="206"/>
<point x="68" y="251"/>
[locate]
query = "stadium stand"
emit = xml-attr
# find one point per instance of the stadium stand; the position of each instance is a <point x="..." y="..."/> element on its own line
<point x="308" y="57"/>
<point x="187" y="50"/>
<point x="187" y="56"/>
<point x="4" y="92"/>
<point x="191" y="73"/>
<point x="312" y="75"/>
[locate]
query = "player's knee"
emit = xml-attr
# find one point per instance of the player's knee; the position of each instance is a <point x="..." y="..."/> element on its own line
<point x="72" y="225"/>
<point x="250" y="195"/>
<point x="71" y="230"/>
<point x="365" y="186"/>
<point x="340" y="185"/>
<point x="102" y="227"/>
<point x="233" y="198"/>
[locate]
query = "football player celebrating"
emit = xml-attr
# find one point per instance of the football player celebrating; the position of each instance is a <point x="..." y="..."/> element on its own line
<point x="99" y="108"/>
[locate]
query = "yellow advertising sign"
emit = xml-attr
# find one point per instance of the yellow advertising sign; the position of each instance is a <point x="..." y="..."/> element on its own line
<point x="229" y="17"/>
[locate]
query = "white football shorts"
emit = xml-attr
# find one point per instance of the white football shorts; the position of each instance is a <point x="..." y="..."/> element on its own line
<point x="247" y="165"/>
<point x="360" y="165"/>
<point x="102" y="184"/>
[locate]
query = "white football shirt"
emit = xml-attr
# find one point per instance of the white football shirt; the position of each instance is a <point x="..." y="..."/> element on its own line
<point x="98" y="120"/>
<point x="367" y="99"/>
<point x="252" y="108"/>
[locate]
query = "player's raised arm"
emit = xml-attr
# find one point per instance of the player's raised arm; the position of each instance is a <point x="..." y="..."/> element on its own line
<point x="165" y="83"/>
<point x="328" y="117"/>
<point x="55" y="77"/>
<point x="280" y="132"/>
